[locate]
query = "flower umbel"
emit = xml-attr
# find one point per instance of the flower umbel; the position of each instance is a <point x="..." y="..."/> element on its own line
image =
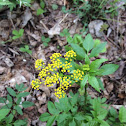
<point x="57" y="72"/>
<point x="36" y="84"/>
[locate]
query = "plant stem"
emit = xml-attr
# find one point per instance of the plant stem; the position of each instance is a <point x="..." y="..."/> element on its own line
<point x="85" y="96"/>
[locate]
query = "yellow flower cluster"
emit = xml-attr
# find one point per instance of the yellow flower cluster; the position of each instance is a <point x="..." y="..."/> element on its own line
<point x="64" y="84"/>
<point x="65" y="67"/>
<point x="58" y="69"/>
<point x="39" y="64"/>
<point x="50" y="80"/>
<point x="70" y="54"/>
<point x="77" y="75"/>
<point x="36" y="84"/>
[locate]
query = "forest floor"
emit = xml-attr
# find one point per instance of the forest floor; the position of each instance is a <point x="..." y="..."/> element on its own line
<point x="17" y="67"/>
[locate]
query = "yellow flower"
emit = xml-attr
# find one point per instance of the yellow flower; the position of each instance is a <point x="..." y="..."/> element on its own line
<point x="70" y="54"/>
<point x="39" y="64"/>
<point x="77" y="75"/>
<point x="36" y="84"/>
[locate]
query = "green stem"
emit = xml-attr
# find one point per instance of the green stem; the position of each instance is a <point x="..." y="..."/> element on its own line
<point x="85" y="96"/>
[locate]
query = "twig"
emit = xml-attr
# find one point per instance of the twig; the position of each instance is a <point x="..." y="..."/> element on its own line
<point x="44" y="25"/>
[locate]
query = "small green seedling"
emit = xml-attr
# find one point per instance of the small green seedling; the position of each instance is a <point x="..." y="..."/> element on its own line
<point x="17" y="34"/>
<point x="54" y="6"/>
<point x="45" y="41"/>
<point x="65" y="32"/>
<point x="14" y="106"/>
<point x="41" y="10"/>
<point x="26" y="49"/>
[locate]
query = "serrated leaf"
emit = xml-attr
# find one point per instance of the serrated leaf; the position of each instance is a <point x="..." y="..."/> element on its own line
<point x="19" y="110"/>
<point x="11" y="91"/>
<point x="3" y="113"/>
<point x="122" y="114"/>
<point x="9" y="119"/>
<point x="79" y="117"/>
<point x="50" y="121"/>
<point x="52" y="109"/>
<point x="95" y="51"/>
<point x="79" y="50"/>
<point x="94" y="83"/>
<point x="27" y="104"/>
<point x="113" y="112"/>
<point x="24" y="94"/>
<point x="84" y="81"/>
<point x="2" y="100"/>
<point x="9" y="98"/>
<point x="62" y="117"/>
<point x="18" y="100"/>
<point x="88" y="43"/>
<point x="72" y="123"/>
<point x="19" y="123"/>
<point x="44" y="117"/>
<point x="109" y="69"/>
<point x="100" y="84"/>
<point x="96" y="64"/>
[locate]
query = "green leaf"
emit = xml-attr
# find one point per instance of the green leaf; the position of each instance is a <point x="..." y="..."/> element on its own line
<point x="79" y="50"/>
<point x="96" y="64"/>
<point x="21" y="87"/>
<point x="100" y="84"/>
<point x="50" y="121"/>
<point x="2" y="100"/>
<point x="122" y="114"/>
<point x="19" y="123"/>
<point x="27" y="104"/>
<point x="15" y="32"/>
<point x="18" y="100"/>
<point x="79" y="117"/>
<point x="113" y="112"/>
<point x="95" y="51"/>
<point x="40" y="11"/>
<point x="42" y="4"/>
<point x="9" y="98"/>
<point x="44" y="117"/>
<point x="22" y="49"/>
<point x="65" y="32"/>
<point x="88" y="43"/>
<point x="54" y="6"/>
<point x="62" y="117"/>
<point x="72" y="123"/>
<point x="74" y="99"/>
<point x="24" y="94"/>
<point x="87" y="60"/>
<point x="94" y="83"/>
<point x="19" y="110"/>
<point x="84" y="81"/>
<point x="52" y="108"/>
<point x="9" y="119"/>
<point x="3" y="113"/>
<point x="21" y="31"/>
<point x="109" y="69"/>
<point x="15" y="37"/>
<point x="11" y="91"/>
<point x="45" y="44"/>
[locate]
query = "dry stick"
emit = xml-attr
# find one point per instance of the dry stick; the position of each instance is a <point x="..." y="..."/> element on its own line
<point x="44" y="25"/>
<point x="110" y="41"/>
